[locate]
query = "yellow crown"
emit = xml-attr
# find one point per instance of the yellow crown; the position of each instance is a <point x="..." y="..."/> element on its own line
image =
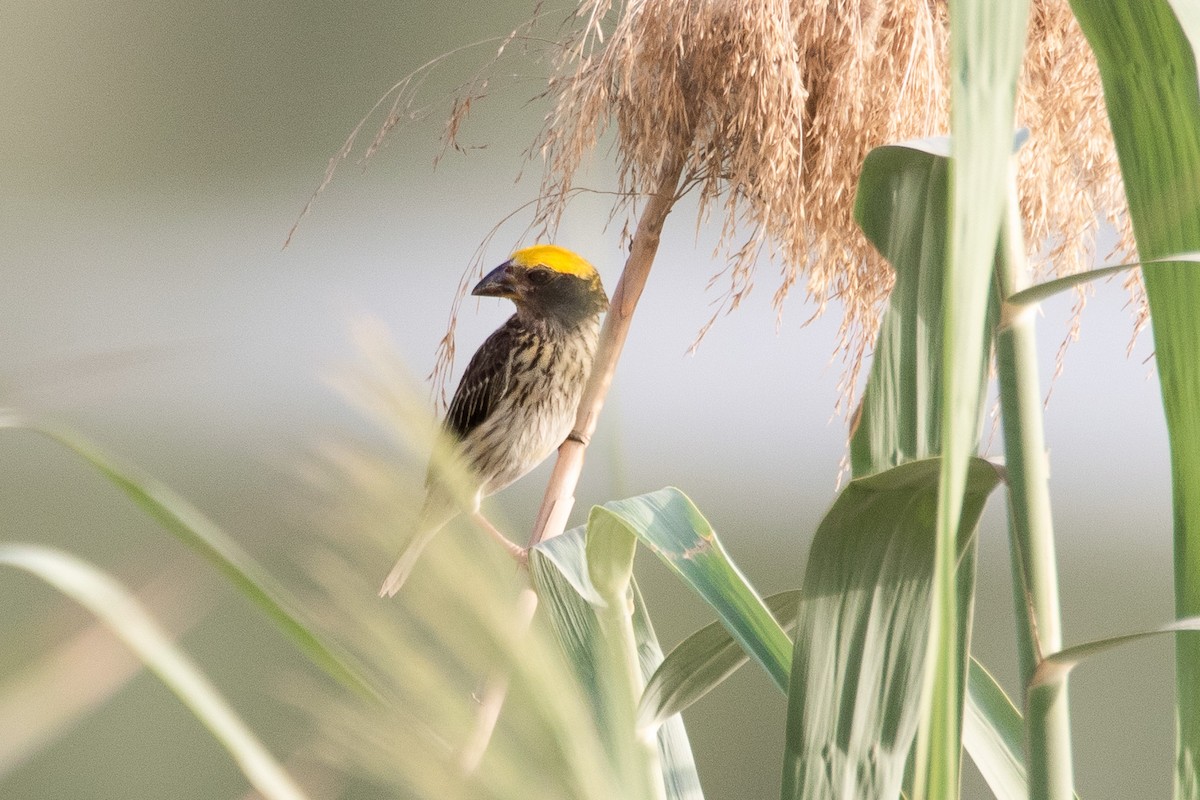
<point x="556" y="258"/>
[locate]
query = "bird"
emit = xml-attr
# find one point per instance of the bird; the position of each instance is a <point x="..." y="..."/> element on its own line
<point x="517" y="399"/>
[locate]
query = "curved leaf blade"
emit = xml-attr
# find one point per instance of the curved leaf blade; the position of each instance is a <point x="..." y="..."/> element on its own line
<point x="994" y="735"/>
<point x="197" y="531"/>
<point x="671" y="526"/>
<point x="1146" y="52"/>
<point x="1056" y="666"/>
<point x="1042" y="291"/>
<point x="121" y="612"/>
<point x="701" y="662"/>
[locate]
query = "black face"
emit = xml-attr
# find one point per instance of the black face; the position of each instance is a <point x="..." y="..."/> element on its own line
<point x="542" y="276"/>
<point x="544" y="292"/>
<point x="559" y="295"/>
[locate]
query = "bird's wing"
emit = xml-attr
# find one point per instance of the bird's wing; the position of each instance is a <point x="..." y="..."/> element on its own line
<point x="484" y="383"/>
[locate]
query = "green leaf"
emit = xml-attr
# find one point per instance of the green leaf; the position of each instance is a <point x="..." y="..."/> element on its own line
<point x="671" y="526"/>
<point x="1146" y="55"/>
<point x="994" y="735"/>
<point x="992" y="727"/>
<point x="900" y="206"/>
<point x="1042" y="291"/>
<point x="701" y="662"/>
<point x="861" y="640"/>
<point x="986" y="47"/>
<point x="610" y="548"/>
<point x="674" y="750"/>
<point x="195" y="530"/>
<point x="1055" y="667"/>
<point x="562" y="576"/>
<point x="121" y="612"/>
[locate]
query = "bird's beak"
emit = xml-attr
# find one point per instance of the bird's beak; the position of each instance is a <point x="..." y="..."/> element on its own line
<point x="500" y="282"/>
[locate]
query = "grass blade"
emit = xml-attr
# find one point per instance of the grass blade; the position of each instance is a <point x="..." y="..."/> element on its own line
<point x="986" y="47"/>
<point x="671" y="526"/>
<point x="1055" y="667"/>
<point x="863" y="632"/>
<point x="1146" y="55"/>
<point x="118" y="609"/>
<point x="994" y="735"/>
<point x="561" y="574"/>
<point x="194" y="529"/>
<point x="701" y="662"/>
<point x="1043" y="291"/>
<point x="52" y="695"/>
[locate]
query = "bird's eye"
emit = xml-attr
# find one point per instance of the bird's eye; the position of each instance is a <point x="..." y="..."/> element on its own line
<point x="540" y="276"/>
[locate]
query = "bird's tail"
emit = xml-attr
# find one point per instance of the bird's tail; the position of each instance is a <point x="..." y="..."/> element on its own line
<point x="434" y="517"/>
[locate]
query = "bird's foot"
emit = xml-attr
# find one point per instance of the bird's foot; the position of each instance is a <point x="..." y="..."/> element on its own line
<point x="518" y="553"/>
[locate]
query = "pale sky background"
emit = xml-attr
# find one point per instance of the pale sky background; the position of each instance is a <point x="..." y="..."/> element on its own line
<point x="153" y="157"/>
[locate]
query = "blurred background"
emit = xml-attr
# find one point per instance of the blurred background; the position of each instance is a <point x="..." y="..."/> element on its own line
<point x="153" y="157"/>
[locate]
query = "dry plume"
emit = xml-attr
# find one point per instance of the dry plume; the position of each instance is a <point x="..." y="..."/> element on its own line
<point x="777" y="103"/>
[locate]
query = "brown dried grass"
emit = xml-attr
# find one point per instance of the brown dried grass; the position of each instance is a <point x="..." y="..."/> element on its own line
<point x="777" y="103"/>
<point x="774" y="105"/>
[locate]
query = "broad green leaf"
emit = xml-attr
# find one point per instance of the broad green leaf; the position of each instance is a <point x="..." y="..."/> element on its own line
<point x="195" y="530"/>
<point x="901" y="206"/>
<point x="861" y="639"/>
<point x="701" y="662"/>
<point x="121" y="612"/>
<point x="1146" y="54"/>
<point x="992" y="727"/>
<point x="560" y="572"/>
<point x="987" y="42"/>
<point x="671" y="526"/>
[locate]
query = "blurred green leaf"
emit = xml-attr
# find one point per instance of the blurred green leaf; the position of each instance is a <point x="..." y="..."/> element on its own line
<point x="121" y="612"/>
<point x="987" y="43"/>
<point x="863" y="630"/>
<point x="59" y="688"/>
<point x="194" y="529"/>
<point x="1146" y="55"/>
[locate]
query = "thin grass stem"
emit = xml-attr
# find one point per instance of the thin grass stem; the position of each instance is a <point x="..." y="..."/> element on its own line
<point x="1031" y="529"/>
<point x="560" y="491"/>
